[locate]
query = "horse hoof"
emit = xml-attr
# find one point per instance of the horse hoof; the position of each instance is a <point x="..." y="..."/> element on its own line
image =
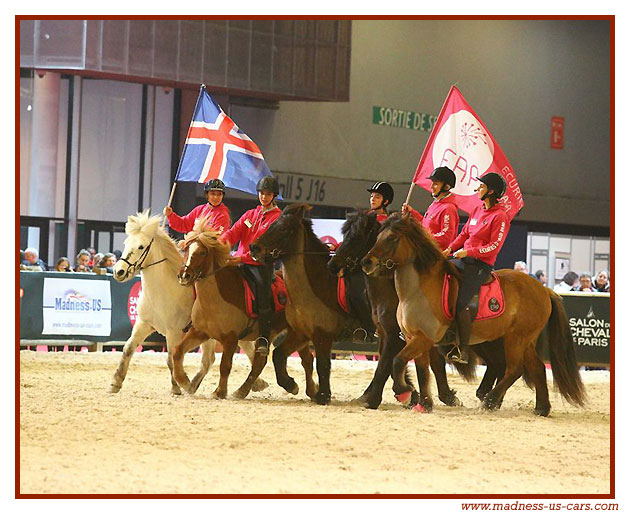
<point x="219" y="395"/>
<point x="372" y="404"/>
<point x="452" y="401"/>
<point x="240" y="394"/>
<point x="490" y="404"/>
<point x="542" y="412"/>
<point x="176" y="392"/>
<point x="322" y="399"/>
<point x="259" y="385"/>
<point x="290" y="386"/>
<point x="403" y="397"/>
<point x="419" y="408"/>
<point x="114" y="388"/>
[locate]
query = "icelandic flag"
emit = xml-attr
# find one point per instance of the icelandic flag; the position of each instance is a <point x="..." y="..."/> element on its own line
<point x="461" y="141"/>
<point x="216" y="148"/>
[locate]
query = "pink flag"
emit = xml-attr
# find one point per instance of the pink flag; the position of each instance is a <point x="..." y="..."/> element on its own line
<point x="461" y="141"/>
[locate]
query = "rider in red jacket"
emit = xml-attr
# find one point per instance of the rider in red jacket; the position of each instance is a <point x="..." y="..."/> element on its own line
<point x="245" y="231"/>
<point x="481" y="238"/>
<point x="215" y="209"/>
<point x="441" y="218"/>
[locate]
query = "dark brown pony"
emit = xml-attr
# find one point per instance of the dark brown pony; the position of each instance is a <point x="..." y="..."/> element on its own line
<point x="312" y="307"/>
<point x="359" y="235"/>
<point x="532" y="313"/>
<point x="219" y="312"/>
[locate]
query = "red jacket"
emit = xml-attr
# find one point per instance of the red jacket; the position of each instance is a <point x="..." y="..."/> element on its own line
<point x="253" y="224"/>
<point x="381" y="217"/>
<point x="219" y="218"/>
<point x="441" y="220"/>
<point x="484" y="233"/>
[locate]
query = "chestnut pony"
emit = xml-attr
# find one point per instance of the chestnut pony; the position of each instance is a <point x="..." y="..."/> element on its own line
<point x="359" y="235"/>
<point x="219" y="312"/>
<point x="532" y="313"/>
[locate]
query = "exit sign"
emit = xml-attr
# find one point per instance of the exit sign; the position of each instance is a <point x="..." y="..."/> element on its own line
<point x="557" y="132"/>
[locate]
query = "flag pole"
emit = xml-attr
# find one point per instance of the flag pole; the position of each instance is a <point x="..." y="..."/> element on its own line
<point x="170" y="199"/>
<point x="409" y="193"/>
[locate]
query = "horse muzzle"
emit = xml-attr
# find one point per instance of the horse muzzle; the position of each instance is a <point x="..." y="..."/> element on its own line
<point x="369" y="265"/>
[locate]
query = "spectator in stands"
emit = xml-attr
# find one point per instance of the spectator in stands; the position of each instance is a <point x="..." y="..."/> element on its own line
<point x="21" y="261"/>
<point x="569" y="281"/>
<point x="585" y="284"/>
<point x="106" y="264"/>
<point x="83" y="261"/>
<point x="63" y="264"/>
<point x="92" y="253"/>
<point x="32" y="260"/>
<point x="520" y="266"/>
<point x="96" y="258"/>
<point x="541" y="276"/>
<point x="602" y="284"/>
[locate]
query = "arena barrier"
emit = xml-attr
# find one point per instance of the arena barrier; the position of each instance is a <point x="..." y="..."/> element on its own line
<point x="56" y="307"/>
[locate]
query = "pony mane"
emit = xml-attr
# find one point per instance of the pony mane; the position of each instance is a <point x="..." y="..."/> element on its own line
<point x="428" y="252"/>
<point x="357" y="223"/>
<point x="311" y="238"/>
<point x="149" y="226"/>
<point x="204" y="233"/>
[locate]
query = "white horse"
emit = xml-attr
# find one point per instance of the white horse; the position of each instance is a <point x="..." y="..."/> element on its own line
<point x="164" y="305"/>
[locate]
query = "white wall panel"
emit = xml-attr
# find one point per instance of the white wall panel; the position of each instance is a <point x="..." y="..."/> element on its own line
<point x="110" y="150"/>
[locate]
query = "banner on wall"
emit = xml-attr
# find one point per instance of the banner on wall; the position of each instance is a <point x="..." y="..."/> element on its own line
<point x="77" y="307"/>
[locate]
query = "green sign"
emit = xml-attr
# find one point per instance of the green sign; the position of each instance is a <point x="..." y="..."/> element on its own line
<point x="402" y="119"/>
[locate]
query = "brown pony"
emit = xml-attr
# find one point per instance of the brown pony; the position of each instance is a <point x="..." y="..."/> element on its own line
<point x="219" y="312"/>
<point x="532" y="313"/>
<point x="312" y="307"/>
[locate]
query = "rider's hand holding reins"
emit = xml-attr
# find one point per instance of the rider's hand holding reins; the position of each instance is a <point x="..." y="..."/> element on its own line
<point x="460" y="254"/>
<point x="446" y="252"/>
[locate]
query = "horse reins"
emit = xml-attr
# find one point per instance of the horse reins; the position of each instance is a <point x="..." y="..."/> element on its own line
<point x="133" y="268"/>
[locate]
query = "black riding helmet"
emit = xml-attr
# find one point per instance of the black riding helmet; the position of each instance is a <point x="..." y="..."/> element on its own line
<point x="384" y="189"/>
<point x="214" y="185"/>
<point x="495" y="182"/>
<point x="443" y="174"/>
<point x="268" y="184"/>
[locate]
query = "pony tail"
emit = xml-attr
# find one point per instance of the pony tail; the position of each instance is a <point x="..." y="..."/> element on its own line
<point x="566" y="372"/>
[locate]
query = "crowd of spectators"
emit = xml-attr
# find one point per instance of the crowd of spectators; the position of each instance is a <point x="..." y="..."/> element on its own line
<point x="571" y="281"/>
<point x="87" y="261"/>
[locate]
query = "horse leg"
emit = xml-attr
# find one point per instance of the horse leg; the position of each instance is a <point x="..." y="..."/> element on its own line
<point x="536" y="369"/>
<point x="438" y="365"/>
<point x="422" y="402"/>
<point x="249" y="349"/>
<point x="415" y="347"/>
<point x="207" y="358"/>
<point x="229" y="347"/>
<point x="307" y="363"/>
<point x="322" y="363"/>
<point x="373" y="395"/>
<point x="176" y="352"/>
<point x="140" y="332"/>
<point x="493" y="354"/>
<point x="280" y="354"/>
<point x="514" y="350"/>
<point x="258" y="364"/>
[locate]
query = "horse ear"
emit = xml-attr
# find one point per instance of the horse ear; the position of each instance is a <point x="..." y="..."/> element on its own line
<point x="303" y="209"/>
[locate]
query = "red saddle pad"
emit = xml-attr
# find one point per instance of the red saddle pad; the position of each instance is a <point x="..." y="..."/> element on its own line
<point x="278" y="291"/>
<point x="491" y="301"/>
<point x="341" y="293"/>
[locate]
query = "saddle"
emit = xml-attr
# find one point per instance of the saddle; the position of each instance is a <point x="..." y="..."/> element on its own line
<point x="490" y="301"/>
<point x="278" y="292"/>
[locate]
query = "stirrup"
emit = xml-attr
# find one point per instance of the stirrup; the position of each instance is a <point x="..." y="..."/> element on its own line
<point x="262" y="345"/>
<point x="456" y="355"/>
<point x="357" y="336"/>
<point x="402" y="337"/>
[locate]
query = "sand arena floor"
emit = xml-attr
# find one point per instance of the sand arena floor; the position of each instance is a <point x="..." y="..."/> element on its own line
<point x="76" y="437"/>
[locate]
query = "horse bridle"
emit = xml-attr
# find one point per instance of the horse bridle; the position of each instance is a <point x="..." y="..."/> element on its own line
<point x="353" y="262"/>
<point x="133" y="268"/>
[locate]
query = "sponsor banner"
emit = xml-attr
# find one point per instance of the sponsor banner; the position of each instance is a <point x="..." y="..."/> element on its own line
<point x="328" y="230"/>
<point x="132" y="302"/>
<point x="589" y="319"/>
<point x="76" y="307"/>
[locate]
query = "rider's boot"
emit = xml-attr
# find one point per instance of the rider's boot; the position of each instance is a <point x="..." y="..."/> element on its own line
<point x="265" y="320"/>
<point x="459" y="352"/>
